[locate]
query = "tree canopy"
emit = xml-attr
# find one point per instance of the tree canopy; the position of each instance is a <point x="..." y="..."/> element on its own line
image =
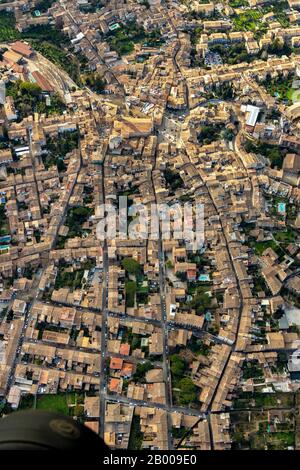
<point x="131" y="266"/>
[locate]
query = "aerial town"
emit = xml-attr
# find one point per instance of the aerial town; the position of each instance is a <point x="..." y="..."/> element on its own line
<point x="150" y="344"/>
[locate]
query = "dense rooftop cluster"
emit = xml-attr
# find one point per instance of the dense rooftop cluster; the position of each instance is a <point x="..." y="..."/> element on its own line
<point x="151" y="344"/>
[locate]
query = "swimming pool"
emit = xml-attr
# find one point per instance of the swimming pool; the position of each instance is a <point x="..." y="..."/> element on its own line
<point x="281" y="207"/>
<point x="5" y="238"/>
<point x="204" y="277"/>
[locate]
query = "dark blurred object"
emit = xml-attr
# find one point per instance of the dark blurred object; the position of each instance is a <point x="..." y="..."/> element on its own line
<point x="43" y="430"/>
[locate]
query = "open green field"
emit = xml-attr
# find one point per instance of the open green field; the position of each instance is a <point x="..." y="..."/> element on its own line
<point x="59" y="403"/>
<point x="292" y="94"/>
<point x="264" y="400"/>
<point x="286" y="236"/>
<point x="260" y="247"/>
<point x="250" y="20"/>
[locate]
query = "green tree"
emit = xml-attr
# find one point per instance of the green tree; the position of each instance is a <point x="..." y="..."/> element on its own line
<point x="227" y="134"/>
<point x="177" y="365"/>
<point x="94" y="81"/>
<point x="141" y="370"/>
<point x="188" y="391"/>
<point x="200" y="302"/>
<point x="130" y="289"/>
<point x="131" y="266"/>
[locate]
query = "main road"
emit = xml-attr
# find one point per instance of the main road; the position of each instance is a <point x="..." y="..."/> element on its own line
<point x="103" y="382"/>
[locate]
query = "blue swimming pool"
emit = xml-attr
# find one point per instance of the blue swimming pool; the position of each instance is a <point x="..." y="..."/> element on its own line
<point x="5" y="238"/>
<point x="204" y="277"/>
<point x="281" y="207"/>
<point x="4" y="247"/>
